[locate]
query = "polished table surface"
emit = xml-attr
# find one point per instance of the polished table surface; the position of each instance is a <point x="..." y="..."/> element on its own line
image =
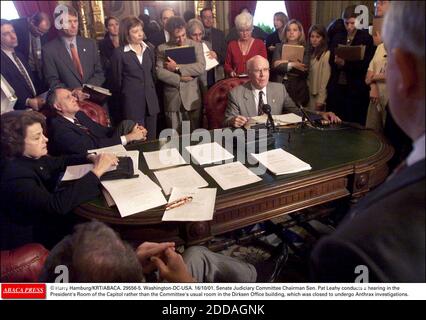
<point x="346" y="162"/>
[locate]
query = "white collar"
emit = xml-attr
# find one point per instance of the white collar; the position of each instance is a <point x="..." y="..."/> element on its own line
<point x="256" y="91"/>
<point x="418" y="152"/>
<point x="69" y="119"/>
<point x="128" y="47"/>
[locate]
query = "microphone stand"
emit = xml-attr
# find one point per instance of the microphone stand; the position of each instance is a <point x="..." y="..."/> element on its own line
<point x="305" y="116"/>
<point x="270" y="125"/>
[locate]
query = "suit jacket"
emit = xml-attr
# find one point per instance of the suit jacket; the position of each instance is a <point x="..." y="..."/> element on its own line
<point x="385" y="232"/>
<point x="217" y="39"/>
<point x="157" y="38"/>
<point x="66" y="137"/>
<point x="176" y="92"/>
<point x="12" y="74"/>
<point x="59" y="69"/>
<point x="133" y="83"/>
<point x="32" y="207"/>
<point x="241" y="101"/>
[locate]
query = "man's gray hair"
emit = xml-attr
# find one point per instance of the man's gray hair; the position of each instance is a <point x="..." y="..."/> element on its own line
<point x="249" y="63"/>
<point x="404" y="27"/>
<point x="244" y="21"/>
<point x="192" y="25"/>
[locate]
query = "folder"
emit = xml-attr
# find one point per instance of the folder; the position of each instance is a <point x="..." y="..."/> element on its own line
<point x="377" y="25"/>
<point x="350" y="53"/>
<point x="292" y="53"/>
<point x="97" y="94"/>
<point x="182" y="55"/>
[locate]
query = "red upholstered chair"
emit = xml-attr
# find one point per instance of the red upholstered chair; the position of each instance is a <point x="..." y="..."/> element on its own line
<point x="216" y="100"/>
<point x="23" y="264"/>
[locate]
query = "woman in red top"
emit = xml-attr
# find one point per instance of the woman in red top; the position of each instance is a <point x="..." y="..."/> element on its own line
<point x="246" y="47"/>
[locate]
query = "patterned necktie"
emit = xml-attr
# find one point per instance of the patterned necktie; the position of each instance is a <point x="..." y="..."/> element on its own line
<point x="76" y="60"/>
<point x="260" y="104"/>
<point x="24" y="73"/>
<point x="84" y="128"/>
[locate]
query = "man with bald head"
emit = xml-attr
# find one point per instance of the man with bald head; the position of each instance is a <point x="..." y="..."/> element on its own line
<point x="383" y="237"/>
<point x="245" y="100"/>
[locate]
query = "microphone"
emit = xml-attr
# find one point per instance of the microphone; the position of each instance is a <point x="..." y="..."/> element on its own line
<point x="266" y="108"/>
<point x="305" y="115"/>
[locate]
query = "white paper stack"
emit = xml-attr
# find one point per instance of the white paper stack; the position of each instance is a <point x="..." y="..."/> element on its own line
<point x="134" y="195"/>
<point x="201" y="208"/>
<point x="232" y="175"/>
<point x="179" y="177"/>
<point x="280" y="162"/>
<point x="209" y="153"/>
<point x="163" y="158"/>
<point x="120" y="151"/>
<point x="210" y="62"/>
<point x="279" y="119"/>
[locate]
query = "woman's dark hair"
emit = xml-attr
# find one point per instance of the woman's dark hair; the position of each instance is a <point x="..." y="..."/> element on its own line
<point x="174" y="23"/>
<point x="107" y="19"/>
<point x="13" y="129"/>
<point x="349" y="12"/>
<point x="318" y="51"/>
<point x="125" y="25"/>
<point x="336" y="26"/>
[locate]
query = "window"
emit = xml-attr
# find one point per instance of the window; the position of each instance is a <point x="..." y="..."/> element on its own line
<point x="264" y="14"/>
<point x="8" y="10"/>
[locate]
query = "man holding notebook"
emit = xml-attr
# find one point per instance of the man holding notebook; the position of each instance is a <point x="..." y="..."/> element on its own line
<point x="246" y="100"/>
<point x="182" y="95"/>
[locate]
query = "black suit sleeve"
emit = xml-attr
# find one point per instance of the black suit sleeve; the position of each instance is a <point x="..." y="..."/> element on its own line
<point x="116" y="71"/>
<point x="98" y="77"/>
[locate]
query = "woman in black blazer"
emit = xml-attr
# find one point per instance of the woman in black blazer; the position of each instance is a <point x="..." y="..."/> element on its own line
<point x="133" y="68"/>
<point x="33" y="207"/>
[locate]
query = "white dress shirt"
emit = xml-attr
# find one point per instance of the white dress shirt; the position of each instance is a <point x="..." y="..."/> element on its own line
<point x="129" y="47"/>
<point x="256" y="96"/>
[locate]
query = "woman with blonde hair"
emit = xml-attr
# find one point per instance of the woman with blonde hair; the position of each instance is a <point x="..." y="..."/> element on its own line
<point x="293" y="74"/>
<point x="241" y="50"/>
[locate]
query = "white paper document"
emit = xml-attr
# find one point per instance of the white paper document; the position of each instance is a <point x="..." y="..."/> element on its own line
<point x="279" y="119"/>
<point x="232" y="175"/>
<point x="163" y="158"/>
<point x="180" y="177"/>
<point x="209" y="153"/>
<point x="201" y="208"/>
<point x="76" y="172"/>
<point x="113" y="149"/>
<point x="279" y="162"/>
<point x="210" y="62"/>
<point x="134" y="155"/>
<point x="134" y="195"/>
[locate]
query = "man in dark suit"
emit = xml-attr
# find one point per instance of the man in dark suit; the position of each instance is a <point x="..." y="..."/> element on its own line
<point x="217" y="38"/>
<point x="70" y="60"/>
<point x="32" y="35"/>
<point x="162" y="36"/>
<point x="383" y="237"/>
<point x="73" y="132"/>
<point x="16" y="71"/>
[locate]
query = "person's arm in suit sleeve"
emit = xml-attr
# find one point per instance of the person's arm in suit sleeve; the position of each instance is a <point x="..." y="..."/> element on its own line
<point x="195" y="69"/>
<point x="232" y="110"/>
<point x="163" y="74"/>
<point x="50" y="71"/>
<point x="98" y="77"/>
<point x="34" y="198"/>
<point x="282" y="68"/>
<point x="105" y="136"/>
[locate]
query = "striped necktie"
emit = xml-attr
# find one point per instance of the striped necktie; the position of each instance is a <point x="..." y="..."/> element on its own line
<point x="260" y="104"/>
<point x="24" y="73"/>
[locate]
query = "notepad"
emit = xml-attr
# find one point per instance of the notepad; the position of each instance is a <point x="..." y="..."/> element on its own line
<point x="350" y="53"/>
<point x="280" y="162"/>
<point x="292" y="53"/>
<point x="134" y="195"/>
<point x="181" y="55"/>
<point x="232" y="175"/>
<point x="201" y="208"/>
<point x="163" y="158"/>
<point x="179" y="177"/>
<point x="209" y="153"/>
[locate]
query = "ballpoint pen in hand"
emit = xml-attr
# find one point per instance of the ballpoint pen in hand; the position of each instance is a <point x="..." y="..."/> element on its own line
<point x="178" y="202"/>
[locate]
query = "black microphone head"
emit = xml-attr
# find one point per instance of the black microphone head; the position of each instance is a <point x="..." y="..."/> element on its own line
<point x="266" y="108"/>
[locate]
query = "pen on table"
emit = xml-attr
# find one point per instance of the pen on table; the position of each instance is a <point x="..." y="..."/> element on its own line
<point x="178" y="202"/>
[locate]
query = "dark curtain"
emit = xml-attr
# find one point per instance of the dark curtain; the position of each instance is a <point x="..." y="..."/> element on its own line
<point x="28" y="8"/>
<point x="236" y="6"/>
<point x="300" y="10"/>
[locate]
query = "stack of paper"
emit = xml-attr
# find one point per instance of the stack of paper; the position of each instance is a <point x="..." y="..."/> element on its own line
<point x="232" y="175"/>
<point x="179" y="177"/>
<point x="163" y="158"/>
<point x="279" y="119"/>
<point x="120" y="151"/>
<point x="201" y="208"/>
<point x="209" y="153"/>
<point x="134" y="195"/>
<point x="210" y="62"/>
<point x="279" y="162"/>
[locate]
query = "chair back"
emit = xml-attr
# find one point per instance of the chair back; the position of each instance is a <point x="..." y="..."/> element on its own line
<point x="216" y="100"/>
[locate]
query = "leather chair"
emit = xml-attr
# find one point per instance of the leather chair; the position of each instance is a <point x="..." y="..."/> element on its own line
<point x="216" y="100"/>
<point x="23" y="264"/>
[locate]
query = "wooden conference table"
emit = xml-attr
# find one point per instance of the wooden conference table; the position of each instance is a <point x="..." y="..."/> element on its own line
<point x="346" y="162"/>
